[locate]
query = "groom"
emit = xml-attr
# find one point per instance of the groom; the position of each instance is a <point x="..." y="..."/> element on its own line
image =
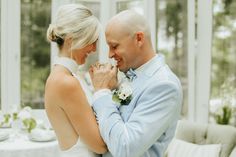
<point x="145" y="126"/>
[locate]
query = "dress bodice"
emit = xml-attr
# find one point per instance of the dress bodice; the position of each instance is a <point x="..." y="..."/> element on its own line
<point x="78" y="150"/>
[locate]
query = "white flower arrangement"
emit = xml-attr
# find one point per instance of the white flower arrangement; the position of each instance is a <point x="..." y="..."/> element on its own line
<point x="123" y="94"/>
<point x="225" y="108"/>
<point x="22" y="119"/>
<point x="25" y="115"/>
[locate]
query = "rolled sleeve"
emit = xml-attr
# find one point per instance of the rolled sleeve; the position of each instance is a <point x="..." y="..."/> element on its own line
<point x="102" y="92"/>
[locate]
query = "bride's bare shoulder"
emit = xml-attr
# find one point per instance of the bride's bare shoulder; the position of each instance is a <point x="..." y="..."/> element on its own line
<point x="62" y="88"/>
<point x="62" y="83"/>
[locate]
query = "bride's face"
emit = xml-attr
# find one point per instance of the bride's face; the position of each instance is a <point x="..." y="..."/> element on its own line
<point x="80" y="55"/>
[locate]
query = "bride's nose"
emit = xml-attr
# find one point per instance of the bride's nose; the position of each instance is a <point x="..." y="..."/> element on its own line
<point x="94" y="47"/>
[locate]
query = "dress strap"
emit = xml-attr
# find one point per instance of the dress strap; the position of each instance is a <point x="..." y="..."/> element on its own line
<point x="68" y="63"/>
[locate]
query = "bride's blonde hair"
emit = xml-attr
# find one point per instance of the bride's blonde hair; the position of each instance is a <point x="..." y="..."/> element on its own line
<point x="76" y="22"/>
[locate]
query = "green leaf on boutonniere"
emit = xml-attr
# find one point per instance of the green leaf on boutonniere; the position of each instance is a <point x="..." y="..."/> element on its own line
<point x="115" y="98"/>
<point x="123" y="94"/>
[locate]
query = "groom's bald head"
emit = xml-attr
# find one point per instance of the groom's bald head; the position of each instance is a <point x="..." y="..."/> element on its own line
<point x="128" y="22"/>
<point x="129" y="40"/>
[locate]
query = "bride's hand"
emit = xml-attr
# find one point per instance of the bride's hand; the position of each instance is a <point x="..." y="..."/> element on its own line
<point x="103" y="76"/>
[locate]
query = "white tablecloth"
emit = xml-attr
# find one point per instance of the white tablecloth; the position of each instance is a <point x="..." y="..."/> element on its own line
<point x="21" y="146"/>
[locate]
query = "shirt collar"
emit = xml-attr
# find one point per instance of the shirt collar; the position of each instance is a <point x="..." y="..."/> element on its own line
<point x="150" y="67"/>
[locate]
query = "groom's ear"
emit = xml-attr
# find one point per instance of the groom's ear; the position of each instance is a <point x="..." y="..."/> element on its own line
<point x="139" y="37"/>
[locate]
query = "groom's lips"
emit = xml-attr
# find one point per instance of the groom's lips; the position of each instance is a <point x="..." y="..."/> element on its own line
<point x="118" y="62"/>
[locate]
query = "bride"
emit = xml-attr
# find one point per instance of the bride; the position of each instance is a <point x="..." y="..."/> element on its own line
<point x="75" y="30"/>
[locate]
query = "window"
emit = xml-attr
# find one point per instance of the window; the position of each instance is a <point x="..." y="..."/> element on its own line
<point x="212" y="52"/>
<point x="171" y="19"/>
<point x="0" y="62"/>
<point x="35" y="51"/>
<point x="94" y="6"/>
<point x="137" y="5"/>
<point x="223" y="68"/>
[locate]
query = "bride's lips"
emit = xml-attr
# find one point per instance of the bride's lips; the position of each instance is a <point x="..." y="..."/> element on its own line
<point x="86" y="55"/>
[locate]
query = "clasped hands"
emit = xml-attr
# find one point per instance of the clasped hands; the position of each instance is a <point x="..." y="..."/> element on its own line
<point x="103" y="76"/>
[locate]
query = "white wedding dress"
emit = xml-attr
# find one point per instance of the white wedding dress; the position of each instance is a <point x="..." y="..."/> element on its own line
<point x="79" y="149"/>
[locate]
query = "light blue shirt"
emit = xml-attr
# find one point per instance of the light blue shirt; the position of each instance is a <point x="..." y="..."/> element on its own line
<point x="145" y="126"/>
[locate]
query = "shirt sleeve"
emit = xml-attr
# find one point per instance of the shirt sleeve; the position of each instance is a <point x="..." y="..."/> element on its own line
<point x="156" y="108"/>
<point x="101" y="93"/>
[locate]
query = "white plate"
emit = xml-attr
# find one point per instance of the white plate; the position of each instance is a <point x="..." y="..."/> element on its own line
<point x="42" y="135"/>
<point x="42" y="139"/>
<point x="4" y="135"/>
<point x="5" y="125"/>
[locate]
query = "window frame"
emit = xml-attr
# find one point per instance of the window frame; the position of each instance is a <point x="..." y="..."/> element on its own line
<point x="199" y="51"/>
<point x="203" y="60"/>
<point x="10" y="55"/>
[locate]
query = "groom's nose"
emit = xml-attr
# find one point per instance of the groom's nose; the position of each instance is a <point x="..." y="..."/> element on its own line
<point x="111" y="54"/>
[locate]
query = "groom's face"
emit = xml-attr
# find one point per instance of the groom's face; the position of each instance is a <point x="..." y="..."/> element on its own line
<point x="122" y="48"/>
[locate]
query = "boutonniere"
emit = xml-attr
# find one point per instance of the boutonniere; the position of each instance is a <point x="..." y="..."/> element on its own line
<point x="123" y="94"/>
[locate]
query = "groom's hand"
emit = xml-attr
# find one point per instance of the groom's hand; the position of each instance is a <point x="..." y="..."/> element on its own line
<point x="103" y="76"/>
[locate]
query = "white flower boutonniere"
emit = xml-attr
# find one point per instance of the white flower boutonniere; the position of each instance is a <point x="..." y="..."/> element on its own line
<point x="123" y="94"/>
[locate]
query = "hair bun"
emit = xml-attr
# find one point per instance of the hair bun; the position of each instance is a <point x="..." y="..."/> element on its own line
<point x="50" y="33"/>
<point x="52" y="36"/>
<point x="59" y="40"/>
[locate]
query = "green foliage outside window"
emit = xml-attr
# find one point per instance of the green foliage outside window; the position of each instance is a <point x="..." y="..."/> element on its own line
<point x="223" y="45"/>
<point x="171" y="21"/>
<point x="35" y="50"/>
<point x="223" y="69"/>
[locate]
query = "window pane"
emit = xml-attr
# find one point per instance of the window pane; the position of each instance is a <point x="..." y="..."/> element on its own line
<point x="35" y="50"/>
<point x="93" y="6"/>
<point x="0" y="61"/>
<point x="136" y="5"/>
<point x="172" y="39"/>
<point x="223" y="69"/>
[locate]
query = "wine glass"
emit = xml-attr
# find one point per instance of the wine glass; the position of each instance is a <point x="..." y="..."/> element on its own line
<point x="16" y="126"/>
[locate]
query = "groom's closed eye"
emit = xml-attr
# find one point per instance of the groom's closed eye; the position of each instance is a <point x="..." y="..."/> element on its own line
<point x="113" y="47"/>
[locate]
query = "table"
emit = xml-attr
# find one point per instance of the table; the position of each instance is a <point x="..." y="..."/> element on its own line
<point x="18" y="145"/>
